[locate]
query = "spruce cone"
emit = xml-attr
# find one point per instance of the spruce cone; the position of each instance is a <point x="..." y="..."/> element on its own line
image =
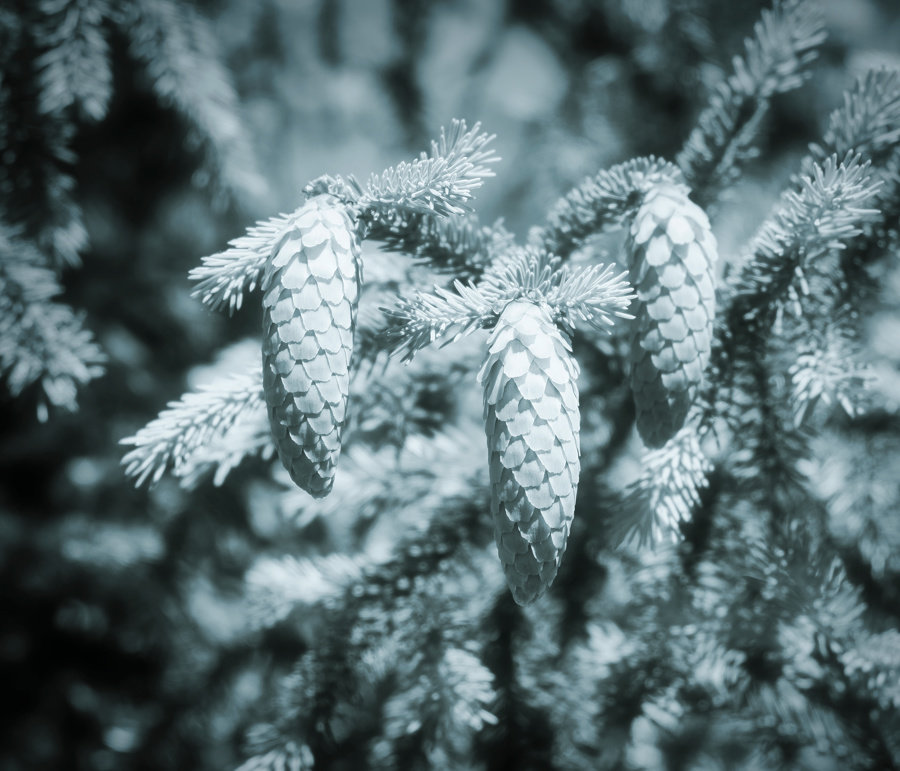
<point x="532" y="423"/>
<point x="672" y="254"/>
<point x="310" y="292"/>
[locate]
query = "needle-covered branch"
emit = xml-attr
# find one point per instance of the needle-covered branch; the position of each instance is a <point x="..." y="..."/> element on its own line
<point x="224" y="277"/>
<point x="41" y="340"/>
<point x="826" y="371"/>
<point x="600" y="202"/>
<point x="439" y="183"/>
<point x="75" y="67"/>
<point x="400" y="207"/>
<point x="775" y="61"/>
<point x="180" y="53"/>
<point x="867" y="123"/>
<point x="826" y="209"/>
<point x="665" y="495"/>
<point x="189" y="425"/>
<point x="459" y="245"/>
<point x="426" y="317"/>
<point x="593" y="295"/>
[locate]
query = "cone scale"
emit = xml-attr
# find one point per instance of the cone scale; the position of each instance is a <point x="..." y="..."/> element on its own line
<point x="672" y="254"/>
<point x="310" y="293"/>
<point x="532" y="425"/>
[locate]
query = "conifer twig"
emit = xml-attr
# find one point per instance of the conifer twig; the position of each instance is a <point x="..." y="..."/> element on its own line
<point x="441" y="183"/>
<point x="277" y="585"/>
<point x="75" y="67"/>
<point x="600" y="203"/>
<point x="224" y="277"/>
<point x="180" y="54"/>
<point x="397" y="206"/>
<point x="457" y="245"/>
<point x="425" y="317"/>
<point x="41" y="341"/>
<point x="593" y="295"/>
<point x="188" y="425"/>
<point x="825" y="211"/>
<point x="667" y="492"/>
<point x="867" y="123"/>
<point x="826" y="371"/>
<point x="775" y="61"/>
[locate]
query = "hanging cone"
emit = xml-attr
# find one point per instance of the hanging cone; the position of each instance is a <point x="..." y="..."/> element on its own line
<point x="310" y="293"/>
<point x="532" y="423"/>
<point x="672" y="254"/>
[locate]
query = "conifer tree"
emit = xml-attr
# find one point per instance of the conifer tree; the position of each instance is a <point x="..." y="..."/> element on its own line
<point x="615" y="495"/>
<point x="763" y="649"/>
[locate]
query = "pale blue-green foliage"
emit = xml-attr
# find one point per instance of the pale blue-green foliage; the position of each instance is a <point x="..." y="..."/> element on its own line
<point x="827" y="207"/>
<point x="58" y="51"/>
<point x="390" y="208"/>
<point x="179" y="51"/>
<point x="668" y="490"/>
<point x="741" y="638"/>
<point x="189" y="425"/>
<point x="777" y="57"/>
<point x="600" y="203"/>
<point x="458" y="245"/>
<point x="42" y="341"/>
<point x="592" y="295"/>
<point x="440" y="183"/>
<point x="75" y="67"/>
<point x="867" y="121"/>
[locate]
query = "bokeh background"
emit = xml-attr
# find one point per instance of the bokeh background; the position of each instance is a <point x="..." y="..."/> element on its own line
<point x="123" y="642"/>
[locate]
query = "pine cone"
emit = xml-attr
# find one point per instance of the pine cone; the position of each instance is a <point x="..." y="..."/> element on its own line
<point x="532" y="423"/>
<point x="672" y="254"/>
<point x="310" y="292"/>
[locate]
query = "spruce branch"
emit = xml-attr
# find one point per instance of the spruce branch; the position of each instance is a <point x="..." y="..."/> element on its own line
<point x="36" y="185"/>
<point x="423" y="318"/>
<point x="775" y="60"/>
<point x="441" y="183"/>
<point x="287" y="757"/>
<point x="75" y="66"/>
<point x="457" y="244"/>
<point x="224" y="277"/>
<point x="826" y="372"/>
<point x="181" y="57"/>
<point x="447" y="699"/>
<point x="875" y="660"/>
<point x="825" y="211"/>
<point x="600" y="203"/>
<point x="456" y="167"/>
<point x="400" y="479"/>
<point x="867" y="123"/>
<point x="188" y="425"/>
<point x="250" y="436"/>
<point x="593" y="295"/>
<point x="41" y="341"/>
<point x="278" y="585"/>
<point x="664" y="497"/>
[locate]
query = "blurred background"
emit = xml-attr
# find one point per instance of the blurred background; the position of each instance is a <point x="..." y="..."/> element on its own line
<point x="123" y="642"/>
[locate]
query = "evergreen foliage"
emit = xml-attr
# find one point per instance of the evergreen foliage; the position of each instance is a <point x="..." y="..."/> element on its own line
<point x="43" y="341"/>
<point x="56" y="72"/>
<point x="776" y="60"/>
<point x="431" y="517"/>
<point x="433" y="700"/>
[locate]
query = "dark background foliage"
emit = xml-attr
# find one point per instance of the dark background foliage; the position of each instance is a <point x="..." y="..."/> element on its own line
<point x="123" y="642"/>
